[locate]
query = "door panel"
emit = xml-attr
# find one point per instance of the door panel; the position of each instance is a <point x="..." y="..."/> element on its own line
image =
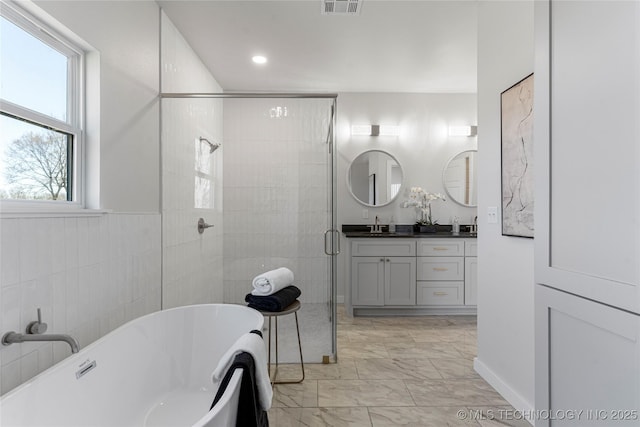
<point x="367" y="279"/>
<point x="593" y="352"/>
<point x="400" y="285"/>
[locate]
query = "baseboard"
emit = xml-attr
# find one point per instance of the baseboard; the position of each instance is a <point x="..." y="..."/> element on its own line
<point x="415" y="311"/>
<point x="515" y="399"/>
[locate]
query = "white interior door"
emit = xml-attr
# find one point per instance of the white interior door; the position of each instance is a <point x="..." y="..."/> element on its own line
<point x="587" y="104"/>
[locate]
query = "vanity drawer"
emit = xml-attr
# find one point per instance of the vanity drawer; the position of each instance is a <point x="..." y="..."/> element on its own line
<point x="440" y="293"/>
<point x="471" y="248"/>
<point x="383" y="247"/>
<point x="441" y="247"/>
<point x="440" y="268"/>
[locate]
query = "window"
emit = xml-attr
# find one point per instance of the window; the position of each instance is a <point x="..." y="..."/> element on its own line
<point x="40" y="112"/>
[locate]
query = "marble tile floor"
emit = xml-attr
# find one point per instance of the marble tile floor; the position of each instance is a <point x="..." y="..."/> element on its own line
<point x="394" y="371"/>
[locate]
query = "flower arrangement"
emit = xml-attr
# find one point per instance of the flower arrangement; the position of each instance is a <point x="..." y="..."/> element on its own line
<point x="421" y="199"/>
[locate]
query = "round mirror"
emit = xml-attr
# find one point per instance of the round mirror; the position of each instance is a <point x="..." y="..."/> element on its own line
<point x="374" y="178"/>
<point x="459" y="178"/>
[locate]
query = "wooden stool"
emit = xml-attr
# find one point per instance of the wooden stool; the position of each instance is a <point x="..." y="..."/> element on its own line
<point x="293" y="308"/>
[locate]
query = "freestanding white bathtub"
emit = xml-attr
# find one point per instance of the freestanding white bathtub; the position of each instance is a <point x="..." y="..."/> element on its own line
<point x="153" y="371"/>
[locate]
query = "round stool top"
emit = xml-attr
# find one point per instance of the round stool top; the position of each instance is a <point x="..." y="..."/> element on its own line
<point x="293" y="307"/>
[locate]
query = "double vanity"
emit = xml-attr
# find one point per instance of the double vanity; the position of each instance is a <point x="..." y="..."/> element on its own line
<point x="405" y="272"/>
<point x="410" y="273"/>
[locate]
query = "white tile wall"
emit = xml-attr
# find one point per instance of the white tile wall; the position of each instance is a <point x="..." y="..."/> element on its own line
<point x="92" y="274"/>
<point x="276" y="191"/>
<point x="89" y="275"/>
<point x="192" y="262"/>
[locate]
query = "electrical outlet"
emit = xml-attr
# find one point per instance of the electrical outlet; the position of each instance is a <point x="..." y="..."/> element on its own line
<point x="365" y="213"/>
<point x="492" y="215"/>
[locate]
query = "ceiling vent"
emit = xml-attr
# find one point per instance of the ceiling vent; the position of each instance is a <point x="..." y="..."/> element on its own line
<point x="341" y="7"/>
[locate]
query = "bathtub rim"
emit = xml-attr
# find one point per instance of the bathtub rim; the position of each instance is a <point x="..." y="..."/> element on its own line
<point x="74" y="357"/>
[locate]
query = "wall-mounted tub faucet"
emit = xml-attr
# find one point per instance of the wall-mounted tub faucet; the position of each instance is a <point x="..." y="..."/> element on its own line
<point x="15" y="338"/>
<point x="35" y="333"/>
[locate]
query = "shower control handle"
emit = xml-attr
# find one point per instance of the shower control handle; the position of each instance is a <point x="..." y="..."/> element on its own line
<point x="203" y="225"/>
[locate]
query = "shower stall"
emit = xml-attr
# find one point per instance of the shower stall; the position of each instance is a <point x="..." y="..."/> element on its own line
<point x="268" y="190"/>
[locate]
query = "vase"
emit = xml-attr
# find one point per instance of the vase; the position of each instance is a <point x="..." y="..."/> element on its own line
<point x="427" y="229"/>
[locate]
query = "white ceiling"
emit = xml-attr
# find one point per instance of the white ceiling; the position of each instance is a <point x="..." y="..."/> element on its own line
<point x="391" y="46"/>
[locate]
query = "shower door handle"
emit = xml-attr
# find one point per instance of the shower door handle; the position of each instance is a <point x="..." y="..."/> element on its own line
<point x="333" y="239"/>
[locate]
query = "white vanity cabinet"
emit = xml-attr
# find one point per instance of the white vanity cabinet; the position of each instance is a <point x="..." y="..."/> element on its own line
<point x="424" y="275"/>
<point x="471" y="272"/>
<point x="440" y="272"/>
<point x="383" y="273"/>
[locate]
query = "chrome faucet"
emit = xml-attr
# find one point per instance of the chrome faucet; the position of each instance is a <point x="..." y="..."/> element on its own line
<point x="474" y="227"/>
<point x="35" y="333"/>
<point x="15" y="338"/>
<point x="376" y="228"/>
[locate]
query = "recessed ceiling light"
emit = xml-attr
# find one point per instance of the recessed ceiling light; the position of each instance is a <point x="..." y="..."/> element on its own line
<point x="259" y="59"/>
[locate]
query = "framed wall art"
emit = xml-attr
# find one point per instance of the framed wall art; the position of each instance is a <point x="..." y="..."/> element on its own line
<point x="516" y="107"/>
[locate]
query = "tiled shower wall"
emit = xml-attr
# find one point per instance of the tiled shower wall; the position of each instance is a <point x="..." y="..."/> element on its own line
<point x="276" y="193"/>
<point x="191" y="177"/>
<point x="88" y="274"/>
<point x="192" y="262"/>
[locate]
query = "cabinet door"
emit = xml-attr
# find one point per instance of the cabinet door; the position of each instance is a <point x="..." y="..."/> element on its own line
<point x="367" y="280"/>
<point x="592" y="351"/>
<point x="470" y="281"/>
<point x="400" y="281"/>
<point x="471" y="247"/>
<point x="587" y="352"/>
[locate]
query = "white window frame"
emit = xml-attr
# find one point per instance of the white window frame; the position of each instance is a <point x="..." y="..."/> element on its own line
<point x="74" y="124"/>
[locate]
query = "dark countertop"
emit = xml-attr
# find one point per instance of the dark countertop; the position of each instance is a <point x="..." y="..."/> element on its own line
<point x="403" y="231"/>
<point x="439" y="234"/>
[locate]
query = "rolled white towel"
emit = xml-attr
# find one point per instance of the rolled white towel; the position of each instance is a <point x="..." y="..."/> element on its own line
<point x="272" y="281"/>
<point x="254" y="345"/>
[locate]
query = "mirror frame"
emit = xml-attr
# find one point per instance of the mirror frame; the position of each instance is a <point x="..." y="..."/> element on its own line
<point x="349" y="178"/>
<point x="444" y="171"/>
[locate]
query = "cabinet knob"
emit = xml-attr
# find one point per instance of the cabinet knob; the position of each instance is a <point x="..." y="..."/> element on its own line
<point x="381" y="259"/>
<point x="388" y="260"/>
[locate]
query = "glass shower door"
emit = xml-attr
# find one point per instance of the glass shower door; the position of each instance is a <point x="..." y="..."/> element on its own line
<point x="278" y="205"/>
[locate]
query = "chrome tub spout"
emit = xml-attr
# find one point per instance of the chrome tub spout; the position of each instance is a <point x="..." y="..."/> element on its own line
<point x="14" y="338"/>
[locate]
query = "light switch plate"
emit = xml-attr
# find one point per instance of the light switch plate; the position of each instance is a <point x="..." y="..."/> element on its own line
<point x="365" y="213"/>
<point x="492" y="215"/>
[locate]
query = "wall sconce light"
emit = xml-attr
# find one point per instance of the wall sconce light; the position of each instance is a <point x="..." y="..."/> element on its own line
<point x="361" y="130"/>
<point x="389" y="130"/>
<point x="375" y="130"/>
<point x="463" y="130"/>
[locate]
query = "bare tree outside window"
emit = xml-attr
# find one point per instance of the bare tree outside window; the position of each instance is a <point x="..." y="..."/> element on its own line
<point x="36" y="166"/>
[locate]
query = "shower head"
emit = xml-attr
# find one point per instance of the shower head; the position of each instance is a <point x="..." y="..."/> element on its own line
<point x="212" y="147"/>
